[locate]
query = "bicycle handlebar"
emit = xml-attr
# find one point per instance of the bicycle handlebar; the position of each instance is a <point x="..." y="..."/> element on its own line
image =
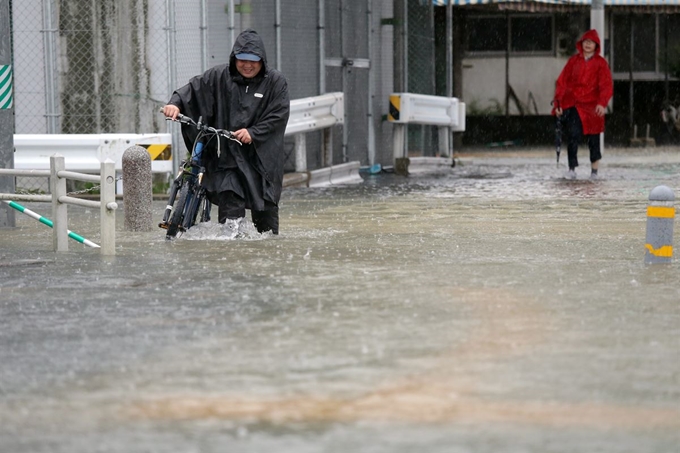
<point x="203" y="127"/>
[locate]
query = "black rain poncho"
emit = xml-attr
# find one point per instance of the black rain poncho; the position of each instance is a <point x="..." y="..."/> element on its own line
<point x="226" y="100"/>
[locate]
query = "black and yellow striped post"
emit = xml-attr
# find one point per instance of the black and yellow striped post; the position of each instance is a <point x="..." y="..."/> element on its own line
<point x="395" y="108"/>
<point x="660" y="218"/>
<point x="161" y="151"/>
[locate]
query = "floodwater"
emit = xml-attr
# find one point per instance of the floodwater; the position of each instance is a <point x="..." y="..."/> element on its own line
<point x="493" y="308"/>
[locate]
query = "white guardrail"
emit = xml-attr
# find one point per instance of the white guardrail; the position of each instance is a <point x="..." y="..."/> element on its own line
<point x="85" y="152"/>
<point x="408" y="108"/>
<point x="320" y="113"/>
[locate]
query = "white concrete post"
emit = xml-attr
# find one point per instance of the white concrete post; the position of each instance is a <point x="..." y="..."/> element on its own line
<point x="107" y="194"/>
<point x="327" y="156"/>
<point x="398" y="140"/>
<point x="597" y="23"/>
<point x="444" y="138"/>
<point x="301" y="152"/>
<point x="59" y="210"/>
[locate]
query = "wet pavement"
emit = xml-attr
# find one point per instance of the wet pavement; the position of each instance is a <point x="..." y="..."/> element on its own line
<point x="495" y="307"/>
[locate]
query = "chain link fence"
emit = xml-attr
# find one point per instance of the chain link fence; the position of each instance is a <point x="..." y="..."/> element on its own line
<point x="106" y="66"/>
<point x="422" y="139"/>
<point x="88" y="67"/>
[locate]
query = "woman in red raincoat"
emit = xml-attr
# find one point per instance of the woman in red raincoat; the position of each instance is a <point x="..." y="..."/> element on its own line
<point x="582" y="93"/>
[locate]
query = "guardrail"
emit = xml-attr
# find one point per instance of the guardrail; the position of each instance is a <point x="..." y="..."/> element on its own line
<point x="60" y="199"/>
<point x="85" y="152"/>
<point x="313" y="114"/>
<point x="408" y="108"/>
<point x="337" y="174"/>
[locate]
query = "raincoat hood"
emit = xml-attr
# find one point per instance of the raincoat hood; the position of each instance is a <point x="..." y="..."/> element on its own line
<point x="593" y="36"/>
<point x="248" y="42"/>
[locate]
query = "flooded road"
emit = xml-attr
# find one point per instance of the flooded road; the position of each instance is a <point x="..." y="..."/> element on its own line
<point x="493" y="308"/>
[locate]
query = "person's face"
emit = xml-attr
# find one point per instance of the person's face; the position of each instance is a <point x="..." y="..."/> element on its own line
<point x="588" y="46"/>
<point x="248" y="69"/>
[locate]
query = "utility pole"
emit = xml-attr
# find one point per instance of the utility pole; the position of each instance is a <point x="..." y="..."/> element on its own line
<point x="597" y="23"/>
<point x="398" y="25"/>
<point x="6" y="113"/>
<point x="597" y="19"/>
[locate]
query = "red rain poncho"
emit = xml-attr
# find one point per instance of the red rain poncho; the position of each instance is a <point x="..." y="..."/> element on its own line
<point x="585" y="84"/>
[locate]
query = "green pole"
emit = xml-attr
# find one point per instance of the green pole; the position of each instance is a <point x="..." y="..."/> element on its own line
<point x="49" y="223"/>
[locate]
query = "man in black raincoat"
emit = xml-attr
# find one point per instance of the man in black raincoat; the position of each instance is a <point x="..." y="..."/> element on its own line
<point x="251" y="99"/>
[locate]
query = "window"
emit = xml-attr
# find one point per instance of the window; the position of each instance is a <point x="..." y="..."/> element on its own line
<point x="487" y="34"/>
<point x="643" y="40"/>
<point x="529" y="34"/>
<point x="669" y="44"/>
<point x="655" y="43"/>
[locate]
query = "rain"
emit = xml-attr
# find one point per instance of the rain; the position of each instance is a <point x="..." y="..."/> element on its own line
<point x="493" y="306"/>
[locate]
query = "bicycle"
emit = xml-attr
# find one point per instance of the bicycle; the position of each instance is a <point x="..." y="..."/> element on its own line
<point x="188" y="200"/>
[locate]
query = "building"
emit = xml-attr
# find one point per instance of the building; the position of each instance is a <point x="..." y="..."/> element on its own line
<point x="511" y="52"/>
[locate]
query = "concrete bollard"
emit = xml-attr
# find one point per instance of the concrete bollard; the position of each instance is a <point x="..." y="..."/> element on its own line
<point x="138" y="189"/>
<point x="660" y="218"/>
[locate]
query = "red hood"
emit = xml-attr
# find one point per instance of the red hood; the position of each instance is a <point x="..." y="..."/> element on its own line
<point x="593" y="36"/>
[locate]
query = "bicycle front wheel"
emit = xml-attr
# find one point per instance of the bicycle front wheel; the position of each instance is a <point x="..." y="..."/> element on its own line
<point x="178" y="212"/>
<point x="193" y="207"/>
<point x="174" y="189"/>
<point x="205" y="209"/>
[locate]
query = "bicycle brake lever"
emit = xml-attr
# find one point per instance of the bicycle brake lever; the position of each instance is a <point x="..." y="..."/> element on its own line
<point x="230" y="136"/>
<point x="180" y="118"/>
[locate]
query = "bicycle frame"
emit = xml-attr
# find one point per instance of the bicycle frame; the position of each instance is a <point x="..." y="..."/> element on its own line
<point x="187" y="194"/>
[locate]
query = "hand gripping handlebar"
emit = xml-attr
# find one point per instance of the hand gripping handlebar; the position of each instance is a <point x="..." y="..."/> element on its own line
<point x="203" y="127"/>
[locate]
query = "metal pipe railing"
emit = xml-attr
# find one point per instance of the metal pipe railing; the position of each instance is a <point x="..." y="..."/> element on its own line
<point x="60" y="199"/>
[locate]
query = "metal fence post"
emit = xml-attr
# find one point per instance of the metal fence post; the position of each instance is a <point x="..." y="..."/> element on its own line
<point x="171" y="46"/>
<point x="660" y="218"/>
<point x="50" y="30"/>
<point x="108" y="207"/>
<point x="59" y="209"/>
<point x="204" y="37"/>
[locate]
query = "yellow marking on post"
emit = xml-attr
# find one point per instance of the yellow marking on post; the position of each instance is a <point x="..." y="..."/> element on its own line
<point x="157" y="152"/>
<point x="395" y="107"/>
<point x="660" y="211"/>
<point x="665" y="251"/>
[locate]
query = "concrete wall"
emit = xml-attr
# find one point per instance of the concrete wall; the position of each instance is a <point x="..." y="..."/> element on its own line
<point x="484" y="81"/>
<point x="29" y="66"/>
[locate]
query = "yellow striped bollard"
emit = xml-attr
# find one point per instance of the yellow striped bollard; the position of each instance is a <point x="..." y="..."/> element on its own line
<point x="660" y="218"/>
